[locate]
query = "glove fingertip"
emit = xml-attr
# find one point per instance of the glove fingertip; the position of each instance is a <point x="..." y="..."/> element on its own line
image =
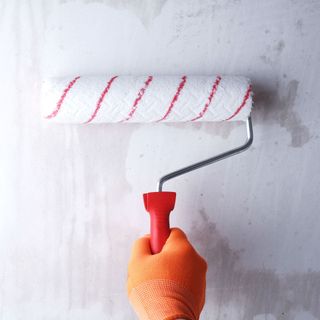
<point x="142" y="246"/>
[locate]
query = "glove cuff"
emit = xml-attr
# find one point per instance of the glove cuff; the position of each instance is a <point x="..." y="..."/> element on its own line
<point x="163" y="299"/>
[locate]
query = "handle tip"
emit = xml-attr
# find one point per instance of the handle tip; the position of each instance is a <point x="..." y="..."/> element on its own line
<point x="159" y="201"/>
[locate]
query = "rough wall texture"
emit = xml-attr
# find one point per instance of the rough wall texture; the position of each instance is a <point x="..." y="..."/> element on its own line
<point x="71" y="195"/>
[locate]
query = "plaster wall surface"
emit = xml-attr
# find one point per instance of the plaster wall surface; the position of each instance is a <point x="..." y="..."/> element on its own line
<point x="70" y="196"/>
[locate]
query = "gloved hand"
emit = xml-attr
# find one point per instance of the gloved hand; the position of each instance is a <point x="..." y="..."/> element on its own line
<point x="168" y="285"/>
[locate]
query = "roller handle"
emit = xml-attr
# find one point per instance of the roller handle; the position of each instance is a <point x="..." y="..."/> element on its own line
<point x="159" y="205"/>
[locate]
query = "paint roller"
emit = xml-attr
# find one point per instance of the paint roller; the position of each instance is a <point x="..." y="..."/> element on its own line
<point x="147" y="99"/>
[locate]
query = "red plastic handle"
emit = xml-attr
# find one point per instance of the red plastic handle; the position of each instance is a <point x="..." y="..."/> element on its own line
<point x="159" y="205"/>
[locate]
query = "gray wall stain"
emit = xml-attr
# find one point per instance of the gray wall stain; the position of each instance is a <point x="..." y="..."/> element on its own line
<point x="220" y="129"/>
<point x="280" y="46"/>
<point x="290" y="120"/>
<point x="266" y="59"/>
<point x="273" y="108"/>
<point x="273" y="53"/>
<point x="299" y="26"/>
<point x="256" y="291"/>
<point x="145" y="10"/>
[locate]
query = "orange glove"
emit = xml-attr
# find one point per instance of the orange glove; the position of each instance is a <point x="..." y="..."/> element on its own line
<point x="168" y="285"/>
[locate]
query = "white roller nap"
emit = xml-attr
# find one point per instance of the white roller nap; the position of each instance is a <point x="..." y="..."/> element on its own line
<point x="124" y="99"/>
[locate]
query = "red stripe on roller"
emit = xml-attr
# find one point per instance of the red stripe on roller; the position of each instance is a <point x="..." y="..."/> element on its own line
<point x="175" y="98"/>
<point x="139" y="97"/>
<point x="60" y="102"/>
<point x="101" y="98"/>
<point x="243" y="103"/>
<point x="212" y="93"/>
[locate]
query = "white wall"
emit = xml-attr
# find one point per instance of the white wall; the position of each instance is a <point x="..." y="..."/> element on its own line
<point x="70" y="196"/>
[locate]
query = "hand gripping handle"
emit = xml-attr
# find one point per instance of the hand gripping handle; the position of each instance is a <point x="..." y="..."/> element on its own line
<point x="159" y="205"/>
